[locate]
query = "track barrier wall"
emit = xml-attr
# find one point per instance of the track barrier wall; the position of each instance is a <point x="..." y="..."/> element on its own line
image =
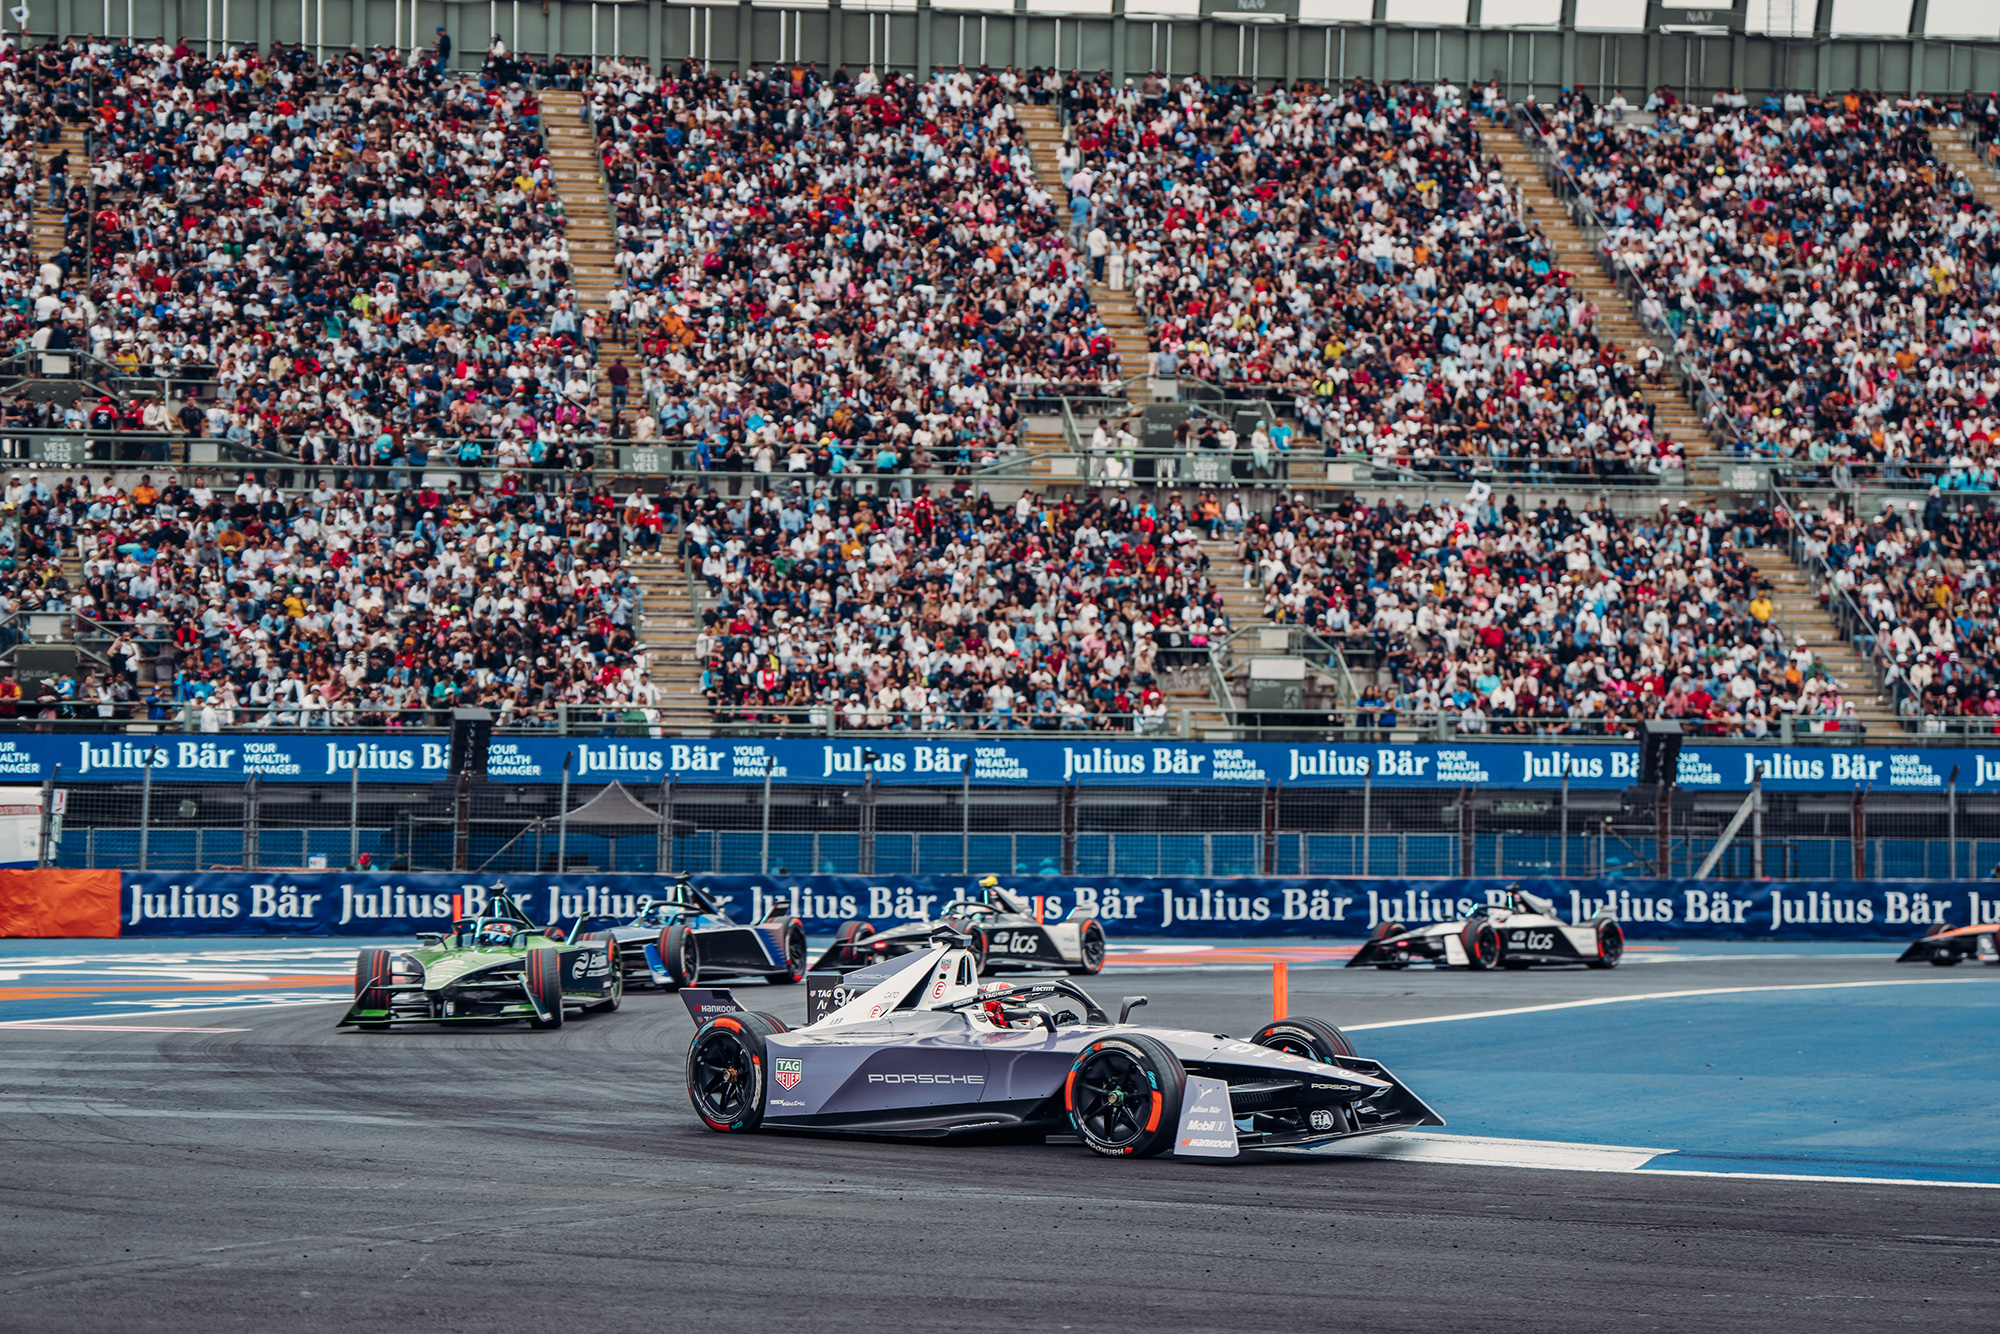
<point x="335" y="903"/>
<point x="325" y="757"/>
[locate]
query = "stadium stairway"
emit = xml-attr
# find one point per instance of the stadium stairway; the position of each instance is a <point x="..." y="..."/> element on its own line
<point x="579" y="180"/>
<point x="47" y="223"/>
<point x="1958" y="151"/>
<point x="667" y="629"/>
<point x="1618" y="322"/>
<point x="1043" y="128"/>
<point x="1799" y="615"/>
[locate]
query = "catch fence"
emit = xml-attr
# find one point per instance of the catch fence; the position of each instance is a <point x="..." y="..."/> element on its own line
<point x="1080" y="830"/>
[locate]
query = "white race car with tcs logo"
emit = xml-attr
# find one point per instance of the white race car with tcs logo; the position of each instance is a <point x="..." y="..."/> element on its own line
<point x="1520" y="931"/>
<point x="1001" y="925"/>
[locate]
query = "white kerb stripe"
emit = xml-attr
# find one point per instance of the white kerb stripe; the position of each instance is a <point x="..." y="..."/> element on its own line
<point x="1673" y="995"/>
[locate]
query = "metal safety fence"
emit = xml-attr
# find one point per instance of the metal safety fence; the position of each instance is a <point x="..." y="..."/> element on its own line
<point x="869" y="828"/>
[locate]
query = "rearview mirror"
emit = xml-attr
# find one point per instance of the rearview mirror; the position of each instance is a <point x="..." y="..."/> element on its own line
<point x="430" y="937"/>
<point x="1130" y="1003"/>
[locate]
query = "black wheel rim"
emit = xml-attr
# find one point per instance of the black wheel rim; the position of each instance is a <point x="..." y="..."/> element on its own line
<point x="1093" y="949"/>
<point x="690" y="965"/>
<point x="1611" y="943"/>
<point x="1294" y="1046"/>
<point x="1113" y="1099"/>
<point x="721" y="1076"/>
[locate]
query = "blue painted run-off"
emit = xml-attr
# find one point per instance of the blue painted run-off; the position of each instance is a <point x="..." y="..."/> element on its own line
<point x="1896" y="1082"/>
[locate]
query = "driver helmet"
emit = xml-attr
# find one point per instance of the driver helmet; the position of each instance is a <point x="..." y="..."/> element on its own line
<point x="494" y="934"/>
<point x="986" y="887"/>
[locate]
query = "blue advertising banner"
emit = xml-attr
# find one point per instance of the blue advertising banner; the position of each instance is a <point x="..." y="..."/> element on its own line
<point x="309" y="756"/>
<point x="336" y="903"/>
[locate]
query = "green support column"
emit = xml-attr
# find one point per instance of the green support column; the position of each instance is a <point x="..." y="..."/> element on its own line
<point x="925" y="56"/>
<point x="1021" y="61"/>
<point x="1378" y="44"/>
<point x="1473" y="18"/>
<point x="746" y="36"/>
<point x="1919" y="20"/>
<point x="835" y="26"/>
<point x="1291" y="52"/>
<point x="1652" y="64"/>
<point x="263" y="25"/>
<point x="656" y="36"/>
<point x="1117" y="44"/>
<point x="1569" y="43"/>
<point x="1205" y="51"/>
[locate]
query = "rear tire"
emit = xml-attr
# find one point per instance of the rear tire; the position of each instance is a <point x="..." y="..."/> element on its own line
<point x="1382" y="932"/>
<point x="1610" y="945"/>
<point x="1314" y="1039"/>
<point x="1090" y="939"/>
<point x="682" y="956"/>
<point x="795" y="959"/>
<point x="541" y="973"/>
<point x="1482" y="944"/>
<point x="777" y="1025"/>
<point x="616" y="981"/>
<point x="848" y="940"/>
<point x="726" y="1067"/>
<point x="371" y="973"/>
<point x="1123" y="1096"/>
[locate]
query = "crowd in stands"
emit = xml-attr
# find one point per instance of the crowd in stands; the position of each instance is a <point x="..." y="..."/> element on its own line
<point x="1492" y="618"/>
<point x="830" y="286"/>
<point x="1917" y="587"/>
<point x="946" y="611"/>
<point x="1351" y="251"/>
<point x="842" y="275"/>
<point x="1830" y="277"/>
<point x="340" y="606"/>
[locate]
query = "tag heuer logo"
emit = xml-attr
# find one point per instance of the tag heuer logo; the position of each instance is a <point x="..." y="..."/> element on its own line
<point x="789" y="1072"/>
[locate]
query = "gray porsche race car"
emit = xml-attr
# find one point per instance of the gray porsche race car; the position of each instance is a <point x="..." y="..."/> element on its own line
<point x="1001" y="925"/>
<point x="685" y="936"/>
<point x="1521" y="931"/>
<point x="924" y="1050"/>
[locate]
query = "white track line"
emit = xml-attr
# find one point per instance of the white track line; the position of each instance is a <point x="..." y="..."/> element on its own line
<point x="39" y="1027"/>
<point x="1673" y="995"/>
<point x="1561" y="1156"/>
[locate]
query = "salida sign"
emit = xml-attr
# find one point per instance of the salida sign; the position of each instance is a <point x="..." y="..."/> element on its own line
<point x="344" y="904"/>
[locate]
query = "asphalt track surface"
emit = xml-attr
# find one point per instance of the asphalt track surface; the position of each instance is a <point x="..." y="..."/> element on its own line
<point x="172" y="1166"/>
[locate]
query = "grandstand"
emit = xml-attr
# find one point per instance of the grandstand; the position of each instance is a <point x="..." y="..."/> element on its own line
<point x="400" y="383"/>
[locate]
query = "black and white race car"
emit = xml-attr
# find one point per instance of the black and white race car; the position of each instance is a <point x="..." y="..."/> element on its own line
<point x="1001" y="925"/>
<point x="685" y="936"/>
<point x="1521" y="931"/>
<point x="922" y="1049"/>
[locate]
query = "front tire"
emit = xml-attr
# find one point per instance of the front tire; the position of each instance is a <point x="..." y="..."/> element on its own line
<point x="1940" y="959"/>
<point x="726" y="1067"/>
<point x="848" y="940"/>
<point x="1314" y="1039"/>
<point x="1610" y="945"/>
<point x="615" y="982"/>
<point x="541" y="973"/>
<point x="371" y="975"/>
<point x="795" y="959"/>
<point x="1482" y="945"/>
<point x="1123" y="1096"/>
<point x="682" y="956"/>
<point x="1090" y="940"/>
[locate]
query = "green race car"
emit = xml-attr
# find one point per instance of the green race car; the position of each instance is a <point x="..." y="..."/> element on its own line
<point x="493" y="968"/>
